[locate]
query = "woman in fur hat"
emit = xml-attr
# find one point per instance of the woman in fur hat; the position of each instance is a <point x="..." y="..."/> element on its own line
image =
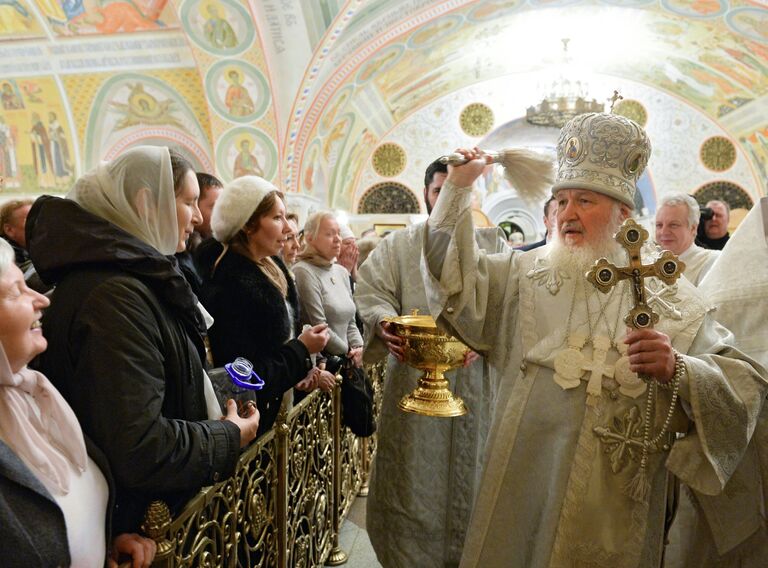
<point x="253" y="300"/>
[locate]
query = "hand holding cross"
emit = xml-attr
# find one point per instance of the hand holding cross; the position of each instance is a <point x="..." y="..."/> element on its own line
<point x="667" y="268"/>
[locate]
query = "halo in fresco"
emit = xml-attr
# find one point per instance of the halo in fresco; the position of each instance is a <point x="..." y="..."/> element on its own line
<point x="696" y="9"/>
<point x="488" y="10"/>
<point x="751" y="22"/>
<point x="431" y="34"/>
<point x="17" y="21"/>
<point x="382" y="61"/>
<point x="245" y="151"/>
<point x="237" y="90"/>
<point x="218" y="26"/>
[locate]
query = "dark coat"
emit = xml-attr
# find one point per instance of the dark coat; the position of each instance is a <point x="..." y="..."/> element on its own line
<point x="251" y="321"/>
<point x="125" y="350"/>
<point x="33" y="528"/>
<point x="535" y="245"/>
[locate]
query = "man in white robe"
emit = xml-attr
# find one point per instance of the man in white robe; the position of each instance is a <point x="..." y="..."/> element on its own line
<point x="427" y="470"/>
<point x="567" y="483"/>
<point x="677" y="220"/>
<point x="730" y="529"/>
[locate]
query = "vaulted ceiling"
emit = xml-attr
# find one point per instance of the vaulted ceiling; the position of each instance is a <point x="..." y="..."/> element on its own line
<point x="324" y="83"/>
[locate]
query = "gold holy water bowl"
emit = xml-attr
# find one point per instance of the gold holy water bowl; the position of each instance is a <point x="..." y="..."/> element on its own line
<point x="430" y="350"/>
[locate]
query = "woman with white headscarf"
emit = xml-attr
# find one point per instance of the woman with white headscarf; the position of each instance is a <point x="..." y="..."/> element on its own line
<point x="125" y="344"/>
<point x="54" y="484"/>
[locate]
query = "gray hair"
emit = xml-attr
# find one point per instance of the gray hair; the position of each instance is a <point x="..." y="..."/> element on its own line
<point x="312" y="226"/>
<point x="694" y="211"/>
<point x="7" y="256"/>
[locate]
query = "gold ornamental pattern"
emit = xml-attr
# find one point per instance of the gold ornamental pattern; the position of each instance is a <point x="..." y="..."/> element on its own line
<point x="389" y="159"/>
<point x="285" y="503"/>
<point x="476" y="119"/>
<point x="718" y="153"/>
<point x="633" y="110"/>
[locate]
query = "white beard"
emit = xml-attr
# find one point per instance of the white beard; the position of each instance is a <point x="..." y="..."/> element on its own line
<point x="577" y="260"/>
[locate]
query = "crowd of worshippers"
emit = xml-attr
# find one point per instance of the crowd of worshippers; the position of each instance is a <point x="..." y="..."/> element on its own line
<point x="149" y="276"/>
<point x="156" y="275"/>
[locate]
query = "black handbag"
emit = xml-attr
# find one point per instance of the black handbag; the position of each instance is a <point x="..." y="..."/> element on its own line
<point x="356" y="400"/>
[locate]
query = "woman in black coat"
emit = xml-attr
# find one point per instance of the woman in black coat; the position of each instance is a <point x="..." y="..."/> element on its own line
<point x="55" y="485"/>
<point x="252" y="297"/>
<point x="124" y="333"/>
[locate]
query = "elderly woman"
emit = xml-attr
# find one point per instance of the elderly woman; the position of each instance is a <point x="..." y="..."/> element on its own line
<point x="324" y="289"/>
<point x="124" y="332"/>
<point x="54" y="484"/>
<point x="253" y="299"/>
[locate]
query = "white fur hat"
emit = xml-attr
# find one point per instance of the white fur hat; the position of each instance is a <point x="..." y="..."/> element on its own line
<point x="237" y="202"/>
<point x="346" y="232"/>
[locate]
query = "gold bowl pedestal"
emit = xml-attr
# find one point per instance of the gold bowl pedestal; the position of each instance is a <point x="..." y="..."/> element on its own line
<point x="434" y="352"/>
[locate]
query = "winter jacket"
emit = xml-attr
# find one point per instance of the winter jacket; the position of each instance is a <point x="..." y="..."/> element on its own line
<point x="251" y="321"/>
<point x="125" y="350"/>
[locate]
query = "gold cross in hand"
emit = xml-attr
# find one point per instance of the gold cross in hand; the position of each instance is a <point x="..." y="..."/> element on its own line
<point x="605" y="275"/>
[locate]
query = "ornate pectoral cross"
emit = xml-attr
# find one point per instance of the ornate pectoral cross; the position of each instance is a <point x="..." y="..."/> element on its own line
<point x="632" y="433"/>
<point x="605" y="275"/>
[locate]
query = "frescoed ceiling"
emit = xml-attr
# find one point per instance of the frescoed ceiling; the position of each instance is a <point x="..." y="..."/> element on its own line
<point x="304" y="92"/>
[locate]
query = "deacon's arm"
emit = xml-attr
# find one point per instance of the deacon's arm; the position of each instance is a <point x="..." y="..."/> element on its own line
<point x="725" y="391"/>
<point x="377" y="295"/>
<point x="468" y="291"/>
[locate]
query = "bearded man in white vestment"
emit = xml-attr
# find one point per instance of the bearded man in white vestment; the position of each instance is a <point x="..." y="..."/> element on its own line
<point x="677" y="219"/>
<point x="563" y="484"/>
<point x="427" y="470"/>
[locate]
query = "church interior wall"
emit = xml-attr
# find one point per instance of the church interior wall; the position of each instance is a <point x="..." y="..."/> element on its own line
<point x="330" y="99"/>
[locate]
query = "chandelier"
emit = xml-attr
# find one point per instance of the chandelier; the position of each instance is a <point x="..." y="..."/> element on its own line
<point x="566" y="98"/>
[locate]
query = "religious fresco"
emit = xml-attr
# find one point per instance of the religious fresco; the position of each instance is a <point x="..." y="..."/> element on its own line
<point x="696" y="8"/>
<point x="750" y="22"/>
<point x="17" y="21"/>
<point x="135" y="108"/>
<point x="716" y="70"/>
<point x="488" y="10"/>
<point x="37" y="151"/>
<point x="221" y="27"/>
<point x="383" y="60"/>
<point x="237" y="90"/>
<point x="88" y="17"/>
<point x="246" y="151"/>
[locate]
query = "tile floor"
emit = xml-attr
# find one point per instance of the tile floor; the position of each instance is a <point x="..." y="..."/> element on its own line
<point x="354" y="540"/>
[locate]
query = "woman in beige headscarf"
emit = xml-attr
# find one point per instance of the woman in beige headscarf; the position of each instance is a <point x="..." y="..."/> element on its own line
<point x="125" y="335"/>
<point x="54" y="491"/>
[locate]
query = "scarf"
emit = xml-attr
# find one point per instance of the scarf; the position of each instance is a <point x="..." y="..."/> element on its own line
<point x="40" y="427"/>
<point x="311" y="255"/>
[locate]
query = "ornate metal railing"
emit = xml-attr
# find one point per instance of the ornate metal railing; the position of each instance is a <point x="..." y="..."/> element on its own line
<point x="283" y="507"/>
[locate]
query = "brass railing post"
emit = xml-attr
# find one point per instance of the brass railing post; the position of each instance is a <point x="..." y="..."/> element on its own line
<point x="157" y="521"/>
<point x="337" y="555"/>
<point x="281" y="437"/>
